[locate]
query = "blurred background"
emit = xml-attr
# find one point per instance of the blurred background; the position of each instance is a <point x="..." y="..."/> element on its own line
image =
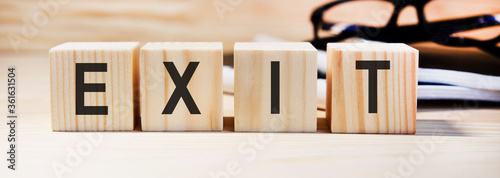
<point x="228" y="21"/>
<point x="41" y="24"/>
<point x="34" y="26"/>
<point x="463" y="132"/>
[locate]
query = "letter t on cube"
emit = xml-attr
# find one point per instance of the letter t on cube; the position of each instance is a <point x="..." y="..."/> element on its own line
<point x="371" y="88"/>
<point x="181" y="86"/>
<point x="275" y="87"/>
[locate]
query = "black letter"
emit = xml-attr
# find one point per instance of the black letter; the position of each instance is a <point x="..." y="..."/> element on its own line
<point x="372" y="67"/>
<point x="81" y="88"/>
<point x="180" y="88"/>
<point x="275" y="87"/>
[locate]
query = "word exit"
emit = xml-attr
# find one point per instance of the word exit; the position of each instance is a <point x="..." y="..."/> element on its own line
<point x="177" y="86"/>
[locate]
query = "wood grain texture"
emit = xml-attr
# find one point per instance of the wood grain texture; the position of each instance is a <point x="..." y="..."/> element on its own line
<point x="120" y="80"/>
<point x="191" y="20"/>
<point x="469" y="145"/>
<point x="297" y="87"/>
<point x="347" y="108"/>
<point x="205" y="86"/>
<point x="152" y="20"/>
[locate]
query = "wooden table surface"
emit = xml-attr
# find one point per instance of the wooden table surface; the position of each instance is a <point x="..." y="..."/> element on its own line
<point x="460" y="140"/>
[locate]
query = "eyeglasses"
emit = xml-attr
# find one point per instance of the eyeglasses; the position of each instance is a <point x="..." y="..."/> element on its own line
<point x="434" y="22"/>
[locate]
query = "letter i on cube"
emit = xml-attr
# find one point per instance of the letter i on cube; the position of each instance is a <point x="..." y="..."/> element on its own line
<point x="275" y="87"/>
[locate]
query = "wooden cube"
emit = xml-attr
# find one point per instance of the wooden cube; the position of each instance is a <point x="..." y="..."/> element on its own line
<point x="92" y="86"/>
<point x="371" y="88"/>
<point x="181" y="86"/>
<point x="275" y="87"/>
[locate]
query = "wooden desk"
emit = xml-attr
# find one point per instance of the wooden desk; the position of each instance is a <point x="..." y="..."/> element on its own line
<point x="466" y="143"/>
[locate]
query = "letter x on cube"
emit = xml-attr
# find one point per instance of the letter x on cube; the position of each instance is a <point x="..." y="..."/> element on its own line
<point x="181" y="86"/>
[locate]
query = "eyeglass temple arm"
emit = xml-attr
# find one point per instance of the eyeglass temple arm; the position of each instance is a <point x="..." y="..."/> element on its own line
<point x="317" y="15"/>
<point x="400" y="34"/>
<point x="491" y="47"/>
<point x="465" y="24"/>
